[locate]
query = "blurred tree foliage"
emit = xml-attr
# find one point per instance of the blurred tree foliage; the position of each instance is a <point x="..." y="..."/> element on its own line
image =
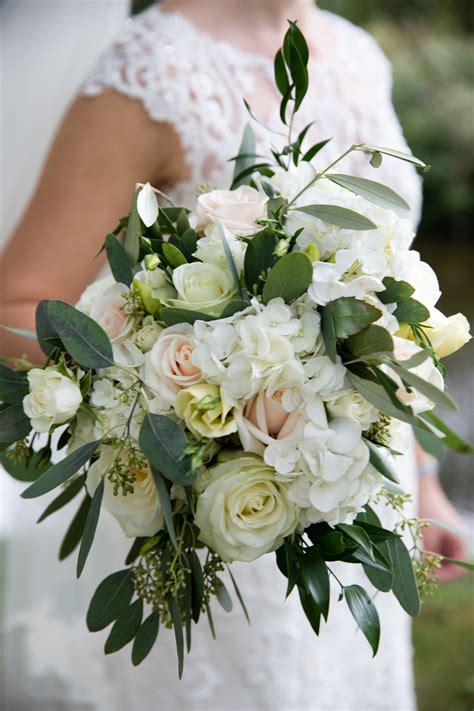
<point x="430" y="45"/>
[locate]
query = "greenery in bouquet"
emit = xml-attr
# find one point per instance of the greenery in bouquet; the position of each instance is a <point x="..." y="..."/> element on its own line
<point x="239" y="385"/>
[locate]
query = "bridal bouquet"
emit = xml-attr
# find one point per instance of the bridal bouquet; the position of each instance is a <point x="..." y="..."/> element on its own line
<point x="240" y="385"/>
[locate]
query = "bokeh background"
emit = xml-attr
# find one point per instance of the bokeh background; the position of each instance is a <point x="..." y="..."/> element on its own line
<point x="430" y="45"/>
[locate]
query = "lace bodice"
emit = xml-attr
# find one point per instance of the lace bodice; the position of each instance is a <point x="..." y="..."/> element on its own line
<point x="195" y="82"/>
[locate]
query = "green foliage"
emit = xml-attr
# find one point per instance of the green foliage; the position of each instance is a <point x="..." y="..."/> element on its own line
<point x="340" y="216"/>
<point x="14" y="424"/>
<point x="288" y="278"/>
<point x="164" y="444"/>
<point x="82" y="337"/>
<point x="110" y="599"/>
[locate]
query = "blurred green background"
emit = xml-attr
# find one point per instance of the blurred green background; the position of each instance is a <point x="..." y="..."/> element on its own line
<point x="430" y="45"/>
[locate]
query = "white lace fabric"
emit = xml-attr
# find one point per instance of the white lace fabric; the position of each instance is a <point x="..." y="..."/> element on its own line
<point x="194" y="82"/>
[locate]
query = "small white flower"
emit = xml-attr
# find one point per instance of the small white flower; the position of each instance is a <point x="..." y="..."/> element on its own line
<point x="147" y="205"/>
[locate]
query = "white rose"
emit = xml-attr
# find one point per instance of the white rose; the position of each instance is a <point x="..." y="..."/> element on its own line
<point x="238" y="210"/>
<point x="202" y="287"/>
<point x="168" y="366"/>
<point x="94" y="291"/>
<point x="139" y="513"/>
<point x="448" y="334"/>
<point x="244" y="511"/>
<point x="352" y="405"/>
<point x="53" y="398"/>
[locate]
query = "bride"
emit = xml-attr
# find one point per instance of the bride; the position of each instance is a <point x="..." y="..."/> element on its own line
<point x="164" y="105"/>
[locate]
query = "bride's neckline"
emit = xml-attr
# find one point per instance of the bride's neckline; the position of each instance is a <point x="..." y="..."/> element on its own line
<point x="254" y="58"/>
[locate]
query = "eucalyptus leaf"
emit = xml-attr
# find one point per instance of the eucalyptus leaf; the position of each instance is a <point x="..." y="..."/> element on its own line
<point x="82" y="337"/>
<point x="404" y="581"/>
<point x="163" y="442"/>
<point x="165" y="502"/>
<point x="351" y="315"/>
<point x="13" y="386"/>
<point x="223" y="596"/>
<point x="395" y="291"/>
<point x="133" y="234"/>
<point x="197" y="593"/>
<point x="370" y="190"/>
<point x="29" y="469"/>
<point x="58" y="473"/>
<point x="315" y="574"/>
<point x="110" y="599"/>
<point x="172" y="316"/>
<point x="64" y="497"/>
<point x="118" y="260"/>
<point x="239" y="595"/>
<point x="14" y="424"/>
<point x="336" y="215"/>
<point x="411" y="311"/>
<point x="145" y="638"/>
<point x="365" y="614"/>
<point x="90" y="527"/>
<point x="125" y="627"/>
<point x="45" y="331"/>
<point x="289" y="278"/>
<point x="75" y="530"/>
<point x="178" y="633"/>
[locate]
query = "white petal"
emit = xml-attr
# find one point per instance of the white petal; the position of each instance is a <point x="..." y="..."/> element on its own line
<point x="147" y="205"/>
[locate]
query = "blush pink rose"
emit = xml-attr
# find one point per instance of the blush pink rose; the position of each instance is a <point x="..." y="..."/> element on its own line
<point x="264" y="420"/>
<point x="238" y="210"/>
<point x="109" y="312"/>
<point x="168" y="366"/>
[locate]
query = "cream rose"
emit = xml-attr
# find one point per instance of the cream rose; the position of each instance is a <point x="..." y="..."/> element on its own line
<point x="53" y="398"/>
<point x="205" y="411"/>
<point x="139" y="513"/>
<point x="238" y="210"/>
<point x="449" y="334"/>
<point x="109" y="312"/>
<point x="244" y="511"/>
<point x="351" y="404"/>
<point x="202" y="287"/>
<point x="168" y="366"/>
<point x="263" y="419"/>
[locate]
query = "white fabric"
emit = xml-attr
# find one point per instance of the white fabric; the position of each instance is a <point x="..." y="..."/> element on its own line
<point x="184" y="77"/>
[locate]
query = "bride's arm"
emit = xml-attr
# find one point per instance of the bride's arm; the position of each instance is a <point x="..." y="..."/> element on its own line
<point x="102" y="148"/>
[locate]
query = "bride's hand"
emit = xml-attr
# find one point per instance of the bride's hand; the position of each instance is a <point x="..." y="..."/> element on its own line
<point x="433" y="503"/>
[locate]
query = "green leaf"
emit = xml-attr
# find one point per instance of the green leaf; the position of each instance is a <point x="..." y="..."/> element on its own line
<point x="404" y="582"/>
<point x="451" y="439"/>
<point x="376" y="160"/>
<point x="90" y="527"/>
<point x="411" y="311"/>
<point x="370" y="190"/>
<point x="332" y="544"/>
<point x="163" y="442"/>
<point x="165" y="502"/>
<point x="328" y="330"/>
<point x="379" y="463"/>
<point x="125" y="627"/>
<point x="289" y="278"/>
<point x="247" y="172"/>
<point x="75" y="530"/>
<point x="134" y="551"/>
<point x="371" y="340"/>
<point x="45" y="331"/>
<point x="83" y="338"/>
<point x="239" y="595"/>
<point x="437" y="396"/>
<point x="178" y="633"/>
<point x="173" y="255"/>
<point x="132" y="236"/>
<point x="188" y="243"/>
<point x="234" y="307"/>
<point x="22" y="332"/>
<point x="259" y="259"/>
<point x="429" y="442"/>
<point x="395" y="291"/>
<point x="229" y="258"/>
<point x="381" y="579"/>
<point x="13" y="386"/>
<point x="223" y="596"/>
<point x="310" y="608"/>
<point x="61" y="471"/>
<point x="309" y="155"/>
<point x="395" y="154"/>
<point x="377" y="396"/>
<point x="365" y="614"/>
<point x="182" y="222"/>
<point x="247" y="146"/>
<point x="288" y="564"/>
<point x="357" y="535"/>
<point x="64" y="497"/>
<point x="29" y="470"/>
<point x="171" y="316"/>
<point x="316" y="578"/>
<point x="351" y="315"/>
<point x="145" y="638"/>
<point x="468" y="565"/>
<point x="281" y="76"/>
<point x="118" y="260"/>
<point x="341" y="216"/>
<point x="110" y="599"/>
<point x="197" y="592"/>
<point x="14" y="424"/>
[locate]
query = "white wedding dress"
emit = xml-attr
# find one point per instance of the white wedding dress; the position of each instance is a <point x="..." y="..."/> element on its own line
<point x="194" y="82"/>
